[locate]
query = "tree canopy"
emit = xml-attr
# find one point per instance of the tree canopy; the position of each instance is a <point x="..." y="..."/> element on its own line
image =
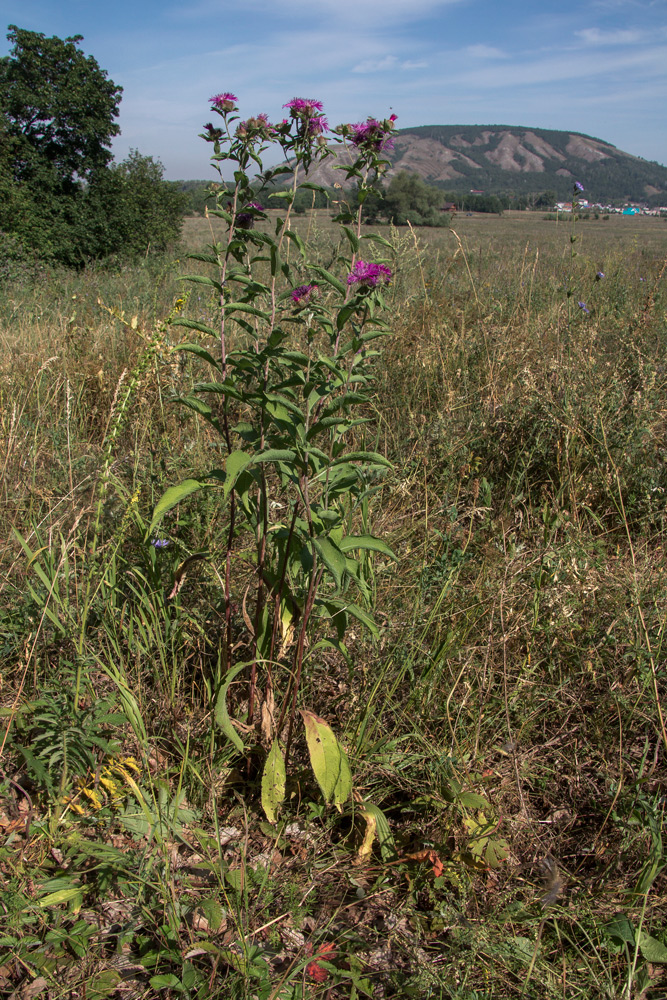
<point x="60" y="193"/>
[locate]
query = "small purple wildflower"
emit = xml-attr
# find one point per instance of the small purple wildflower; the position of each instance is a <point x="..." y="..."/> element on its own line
<point x="369" y="274"/>
<point x="303" y="107"/>
<point x="599" y="276"/>
<point x="584" y="308"/>
<point x="303" y="294"/>
<point x="159" y="543"/>
<point x="224" y="102"/>
<point x="578" y="186"/>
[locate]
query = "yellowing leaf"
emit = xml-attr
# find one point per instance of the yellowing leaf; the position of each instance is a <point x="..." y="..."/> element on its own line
<point x="273" y="783"/>
<point x="369" y="836"/>
<point x="328" y="760"/>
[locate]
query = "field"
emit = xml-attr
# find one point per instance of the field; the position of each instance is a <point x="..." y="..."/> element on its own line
<point x="504" y="724"/>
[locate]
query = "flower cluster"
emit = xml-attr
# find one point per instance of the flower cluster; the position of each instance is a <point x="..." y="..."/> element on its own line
<point x="304" y="107"/>
<point x="372" y="134"/>
<point x="258" y="127"/>
<point x="303" y="294"/>
<point x="578" y="186"/>
<point x="224" y="102"/>
<point x="584" y="308"/>
<point x="159" y="543"/>
<point x="369" y="274"/>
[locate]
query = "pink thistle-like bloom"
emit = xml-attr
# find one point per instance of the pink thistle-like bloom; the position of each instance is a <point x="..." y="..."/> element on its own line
<point x="303" y="294"/>
<point x="303" y="107"/>
<point x="369" y="274"/>
<point x="224" y="102"/>
<point x="317" y="125"/>
<point x="372" y="134"/>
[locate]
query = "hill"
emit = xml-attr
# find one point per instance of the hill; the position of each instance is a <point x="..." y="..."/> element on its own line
<point x="504" y="159"/>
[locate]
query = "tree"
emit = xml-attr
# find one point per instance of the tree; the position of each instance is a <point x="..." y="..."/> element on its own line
<point x="58" y="107"/>
<point x="130" y="209"/>
<point x="57" y="119"/>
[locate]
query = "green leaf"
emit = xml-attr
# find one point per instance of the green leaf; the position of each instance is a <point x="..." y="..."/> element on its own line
<point x="364" y="456"/>
<point x="231" y="307"/>
<point x="274" y="455"/>
<point x="234" y="466"/>
<point x="193" y="324"/>
<point x="221" y="714"/>
<point x="273" y="783"/>
<point x="172" y="496"/>
<point x="344" y="314"/>
<point x="332" y="557"/>
<point x="338" y="606"/>
<point x="652" y="950"/>
<point x="291" y="235"/>
<point x="367" y="543"/>
<point x="329" y="278"/>
<point x="61" y="896"/>
<point x="202" y="279"/>
<point x="328" y="760"/>
<point x="164" y="982"/>
<point x="352" y="237"/>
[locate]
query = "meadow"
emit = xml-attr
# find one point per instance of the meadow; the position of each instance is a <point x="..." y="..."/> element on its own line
<point x="504" y="724"/>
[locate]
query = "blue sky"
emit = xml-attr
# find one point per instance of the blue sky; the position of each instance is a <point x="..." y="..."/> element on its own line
<point x="597" y="66"/>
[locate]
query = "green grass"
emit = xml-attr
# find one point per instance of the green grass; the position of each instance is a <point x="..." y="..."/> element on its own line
<point x="509" y="720"/>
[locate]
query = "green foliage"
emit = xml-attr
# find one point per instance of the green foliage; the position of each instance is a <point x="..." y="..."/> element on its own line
<point x="59" y="193"/>
<point x="407" y="198"/>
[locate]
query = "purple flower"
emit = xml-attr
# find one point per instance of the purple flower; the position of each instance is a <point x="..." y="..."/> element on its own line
<point x="303" y="107"/>
<point x="246" y="220"/>
<point x="159" y="543"/>
<point x="584" y="308"/>
<point x="372" y="134"/>
<point x="224" y="102"/>
<point x="212" y="133"/>
<point x="578" y="186"/>
<point x="317" y="125"/>
<point x="599" y="276"/>
<point x="302" y="295"/>
<point x="369" y="274"/>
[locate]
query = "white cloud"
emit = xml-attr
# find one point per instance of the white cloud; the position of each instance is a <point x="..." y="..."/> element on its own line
<point x="387" y="63"/>
<point x="485" y="52"/>
<point x="594" y="36"/>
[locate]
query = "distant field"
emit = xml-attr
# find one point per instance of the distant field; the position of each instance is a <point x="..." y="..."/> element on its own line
<point x="498" y="233"/>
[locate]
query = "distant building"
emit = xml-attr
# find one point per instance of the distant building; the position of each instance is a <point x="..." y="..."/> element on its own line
<point x="630" y="210"/>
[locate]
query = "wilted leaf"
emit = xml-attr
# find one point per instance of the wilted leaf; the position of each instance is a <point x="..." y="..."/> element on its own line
<point x="369" y="836"/>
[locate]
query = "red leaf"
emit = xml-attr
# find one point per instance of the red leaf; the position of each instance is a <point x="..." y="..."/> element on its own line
<point x="314" y="969"/>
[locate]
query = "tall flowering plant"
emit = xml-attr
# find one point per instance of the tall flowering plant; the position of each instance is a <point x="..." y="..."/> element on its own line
<point x="293" y="366"/>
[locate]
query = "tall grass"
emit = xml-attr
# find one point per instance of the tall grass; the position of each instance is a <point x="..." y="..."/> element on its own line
<point x="512" y="706"/>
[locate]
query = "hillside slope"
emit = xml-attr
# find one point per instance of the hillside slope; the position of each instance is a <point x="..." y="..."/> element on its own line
<point x="502" y="159"/>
